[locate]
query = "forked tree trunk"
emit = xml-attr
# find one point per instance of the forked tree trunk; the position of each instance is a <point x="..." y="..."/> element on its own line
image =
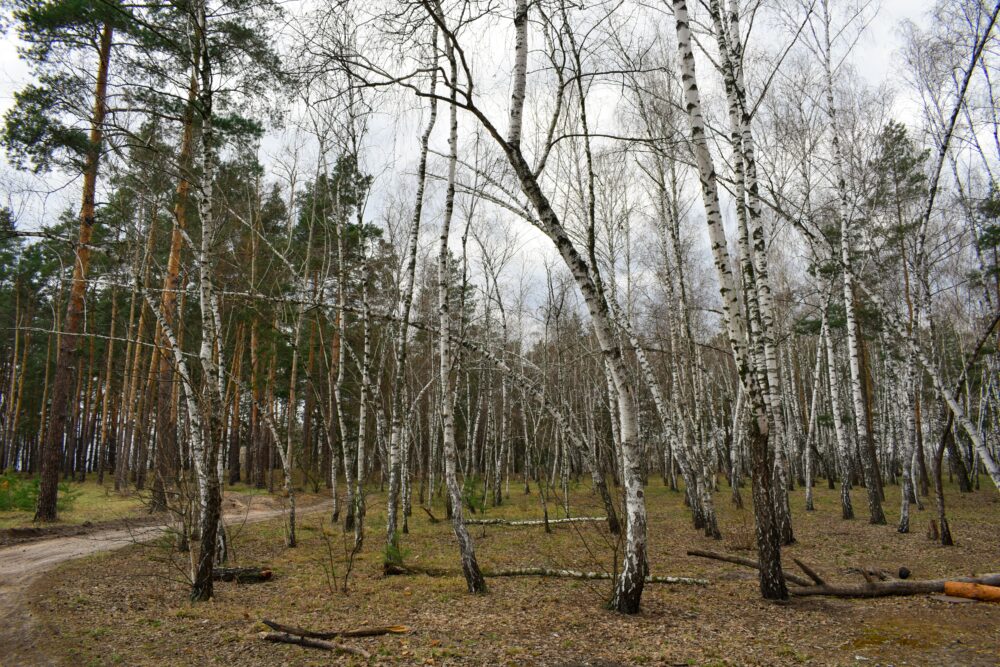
<point x="772" y="583"/>
<point x="753" y="250"/>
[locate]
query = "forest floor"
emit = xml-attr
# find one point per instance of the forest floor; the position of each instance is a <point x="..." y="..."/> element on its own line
<point x="33" y="549"/>
<point x="130" y="606"/>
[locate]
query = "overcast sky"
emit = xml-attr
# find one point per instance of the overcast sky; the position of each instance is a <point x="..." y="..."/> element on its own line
<point x="51" y="195"/>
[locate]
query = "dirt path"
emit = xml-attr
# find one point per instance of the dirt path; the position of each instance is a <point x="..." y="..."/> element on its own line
<point x="20" y="565"/>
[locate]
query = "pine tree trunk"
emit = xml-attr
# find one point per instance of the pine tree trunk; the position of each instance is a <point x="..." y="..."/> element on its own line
<point x="52" y="448"/>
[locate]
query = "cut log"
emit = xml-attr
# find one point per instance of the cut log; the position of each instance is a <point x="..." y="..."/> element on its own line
<point x="576" y="574"/>
<point x="890" y="588"/>
<point x="982" y="592"/>
<point x="336" y="647"/>
<point x="241" y="575"/>
<point x="746" y="562"/>
<point x="331" y="634"/>
<point x="532" y="522"/>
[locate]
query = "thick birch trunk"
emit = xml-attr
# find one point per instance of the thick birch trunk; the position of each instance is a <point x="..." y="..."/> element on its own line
<point x="772" y="581"/>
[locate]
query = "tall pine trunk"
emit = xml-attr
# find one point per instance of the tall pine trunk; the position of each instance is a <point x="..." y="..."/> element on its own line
<point x="65" y="360"/>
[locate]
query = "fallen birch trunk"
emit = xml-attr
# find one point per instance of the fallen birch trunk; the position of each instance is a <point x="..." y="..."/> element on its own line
<point x="336" y="647"/>
<point x="393" y="569"/>
<point x="532" y="522"/>
<point x="576" y="574"/>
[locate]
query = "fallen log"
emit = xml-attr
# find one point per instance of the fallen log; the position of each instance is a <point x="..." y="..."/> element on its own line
<point x="331" y="634"/>
<point x="434" y="519"/>
<point x="971" y="591"/>
<point x="531" y="522"/>
<point x="737" y="560"/>
<point x="394" y="569"/>
<point x="890" y="588"/>
<point x="576" y="574"/>
<point x="242" y="575"/>
<point x="336" y="647"/>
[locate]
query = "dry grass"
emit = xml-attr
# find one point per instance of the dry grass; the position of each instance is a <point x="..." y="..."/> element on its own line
<point x="130" y="607"/>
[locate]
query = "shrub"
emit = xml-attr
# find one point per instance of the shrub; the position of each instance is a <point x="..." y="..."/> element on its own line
<point x="20" y="493"/>
<point x="474" y="499"/>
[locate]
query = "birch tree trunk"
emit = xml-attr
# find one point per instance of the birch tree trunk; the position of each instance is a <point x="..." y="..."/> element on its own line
<point x="868" y="464"/>
<point x="629" y="586"/>
<point x="772" y="581"/>
<point x="811" y="430"/>
<point x="167" y="458"/>
<point x="843" y="451"/>
<point x="470" y="567"/>
<point x="405" y="303"/>
<point x="753" y="251"/>
<point x="210" y="356"/>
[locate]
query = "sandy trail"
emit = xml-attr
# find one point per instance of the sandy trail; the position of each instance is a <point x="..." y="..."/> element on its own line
<point x="21" y="564"/>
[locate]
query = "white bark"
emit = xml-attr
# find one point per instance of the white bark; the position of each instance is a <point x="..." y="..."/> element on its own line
<point x="473" y="576"/>
<point x="866" y="447"/>
<point x="843" y="451"/>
